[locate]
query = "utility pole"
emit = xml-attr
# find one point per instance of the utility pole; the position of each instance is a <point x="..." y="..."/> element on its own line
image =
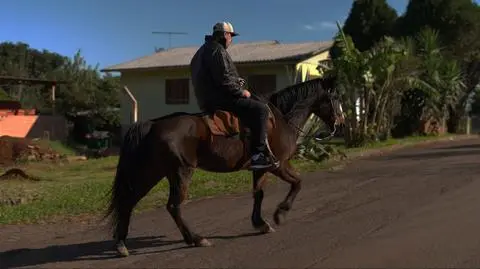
<point x="170" y="36"/>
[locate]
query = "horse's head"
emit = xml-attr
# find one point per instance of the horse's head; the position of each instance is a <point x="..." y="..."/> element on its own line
<point x="313" y="96"/>
<point x="329" y="108"/>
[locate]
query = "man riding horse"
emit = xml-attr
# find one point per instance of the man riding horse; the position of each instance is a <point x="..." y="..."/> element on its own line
<point x="218" y="86"/>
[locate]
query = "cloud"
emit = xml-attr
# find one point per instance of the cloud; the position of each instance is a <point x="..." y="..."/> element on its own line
<point x="321" y="26"/>
<point x="308" y="27"/>
<point x="328" y="25"/>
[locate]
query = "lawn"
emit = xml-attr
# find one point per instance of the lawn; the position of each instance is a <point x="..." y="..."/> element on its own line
<point x="81" y="188"/>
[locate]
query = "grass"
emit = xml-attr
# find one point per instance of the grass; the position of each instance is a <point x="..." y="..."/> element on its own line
<point x="81" y="187"/>
<point x="57" y="146"/>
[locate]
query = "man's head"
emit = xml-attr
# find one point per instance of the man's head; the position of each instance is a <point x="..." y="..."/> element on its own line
<point x="224" y="31"/>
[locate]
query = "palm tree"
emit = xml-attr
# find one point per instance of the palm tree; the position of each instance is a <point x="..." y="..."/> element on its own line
<point x="441" y="73"/>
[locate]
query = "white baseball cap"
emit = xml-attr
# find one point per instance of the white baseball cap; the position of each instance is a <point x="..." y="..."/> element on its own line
<point x="225" y="27"/>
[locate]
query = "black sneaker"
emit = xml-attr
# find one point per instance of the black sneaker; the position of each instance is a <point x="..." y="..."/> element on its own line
<point x="261" y="161"/>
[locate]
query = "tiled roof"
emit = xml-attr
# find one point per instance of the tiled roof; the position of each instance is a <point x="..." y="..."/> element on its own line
<point x="240" y="53"/>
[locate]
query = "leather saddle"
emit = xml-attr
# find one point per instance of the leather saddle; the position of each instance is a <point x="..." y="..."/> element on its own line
<point x="224" y="123"/>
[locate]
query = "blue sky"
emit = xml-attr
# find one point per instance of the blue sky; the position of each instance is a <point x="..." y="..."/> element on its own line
<point x="112" y="31"/>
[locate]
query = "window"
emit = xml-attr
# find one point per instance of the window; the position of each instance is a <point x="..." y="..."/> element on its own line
<point x="177" y="91"/>
<point x="262" y="85"/>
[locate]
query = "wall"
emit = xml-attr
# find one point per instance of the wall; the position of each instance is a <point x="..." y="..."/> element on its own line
<point x="267" y="69"/>
<point x="148" y="87"/>
<point x="37" y="126"/>
<point x="149" y="90"/>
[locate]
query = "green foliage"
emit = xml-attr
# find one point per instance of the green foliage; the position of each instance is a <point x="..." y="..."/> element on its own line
<point x="312" y="150"/>
<point x="375" y="80"/>
<point x="404" y="73"/>
<point x="443" y="78"/>
<point x="4" y="95"/>
<point x="457" y="23"/>
<point x="456" y="20"/>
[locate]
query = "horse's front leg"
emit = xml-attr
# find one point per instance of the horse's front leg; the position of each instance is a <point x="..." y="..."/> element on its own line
<point x="259" y="180"/>
<point x="287" y="173"/>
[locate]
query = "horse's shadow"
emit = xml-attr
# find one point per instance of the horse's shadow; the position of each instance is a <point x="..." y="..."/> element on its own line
<point x="91" y="251"/>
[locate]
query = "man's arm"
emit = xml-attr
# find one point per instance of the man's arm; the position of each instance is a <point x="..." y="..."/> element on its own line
<point x="222" y="75"/>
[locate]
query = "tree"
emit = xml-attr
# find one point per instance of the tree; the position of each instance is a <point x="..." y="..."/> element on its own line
<point x="85" y="90"/>
<point x="4" y="95"/>
<point x="458" y="26"/>
<point x="369" y="21"/>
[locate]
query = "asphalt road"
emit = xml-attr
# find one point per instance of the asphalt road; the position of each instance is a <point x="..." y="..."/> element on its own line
<point x="413" y="208"/>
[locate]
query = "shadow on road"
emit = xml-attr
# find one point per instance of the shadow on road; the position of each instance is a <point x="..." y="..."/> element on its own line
<point x="99" y="250"/>
<point x="433" y="154"/>
<point x="91" y="251"/>
<point x="471" y="146"/>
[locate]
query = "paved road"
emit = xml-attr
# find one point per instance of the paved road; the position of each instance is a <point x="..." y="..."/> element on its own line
<point x="416" y="207"/>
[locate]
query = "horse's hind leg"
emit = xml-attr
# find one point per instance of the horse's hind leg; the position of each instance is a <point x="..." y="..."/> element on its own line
<point x="136" y="193"/>
<point x="257" y="220"/>
<point x="179" y="182"/>
<point x="286" y="173"/>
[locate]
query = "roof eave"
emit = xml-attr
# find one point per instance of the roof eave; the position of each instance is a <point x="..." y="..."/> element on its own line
<point x="149" y="68"/>
<point x="287" y="60"/>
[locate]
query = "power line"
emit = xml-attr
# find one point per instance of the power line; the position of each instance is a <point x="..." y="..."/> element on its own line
<point x="169" y="35"/>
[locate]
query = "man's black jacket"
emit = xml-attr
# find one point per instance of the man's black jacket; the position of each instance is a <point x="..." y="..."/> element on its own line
<point x="214" y="76"/>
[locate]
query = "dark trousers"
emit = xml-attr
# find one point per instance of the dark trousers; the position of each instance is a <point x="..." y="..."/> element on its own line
<point x="252" y="113"/>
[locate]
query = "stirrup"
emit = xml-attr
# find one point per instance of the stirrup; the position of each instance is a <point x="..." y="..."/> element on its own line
<point x="275" y="162"/>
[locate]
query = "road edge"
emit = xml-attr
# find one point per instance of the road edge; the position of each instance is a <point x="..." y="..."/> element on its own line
<point x="336" y="164"/>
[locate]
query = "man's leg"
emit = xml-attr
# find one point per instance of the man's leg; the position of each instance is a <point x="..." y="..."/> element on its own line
<point x="255" y="115"/>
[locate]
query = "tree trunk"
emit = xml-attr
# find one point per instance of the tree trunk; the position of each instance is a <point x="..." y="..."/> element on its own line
<point x="453" y="121"/>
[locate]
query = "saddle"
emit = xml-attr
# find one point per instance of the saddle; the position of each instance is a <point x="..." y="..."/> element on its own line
<point x="227" y="124"/>
<point x="224" y="123"/>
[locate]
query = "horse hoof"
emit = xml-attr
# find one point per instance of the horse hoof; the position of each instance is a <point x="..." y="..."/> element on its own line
<point x="266" y="228"/>
<point x="203" y="243"/>
<point x="122" y="250"/>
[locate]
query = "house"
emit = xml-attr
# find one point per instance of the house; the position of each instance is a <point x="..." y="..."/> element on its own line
<point x="161" y="82"/>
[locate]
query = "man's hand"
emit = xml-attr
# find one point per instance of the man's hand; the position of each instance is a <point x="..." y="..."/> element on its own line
<point x="246" y="94"/>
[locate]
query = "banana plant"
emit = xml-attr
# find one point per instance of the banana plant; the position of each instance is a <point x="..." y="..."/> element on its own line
<point x="371" y="83"/>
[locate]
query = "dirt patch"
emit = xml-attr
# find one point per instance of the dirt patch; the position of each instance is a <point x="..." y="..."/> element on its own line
<point x="18" y="187"/>
<point x="16" y="173"/>
<point x="14" y="150"/>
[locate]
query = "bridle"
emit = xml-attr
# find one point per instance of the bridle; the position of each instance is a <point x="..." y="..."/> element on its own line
<point x="332" y="132"/>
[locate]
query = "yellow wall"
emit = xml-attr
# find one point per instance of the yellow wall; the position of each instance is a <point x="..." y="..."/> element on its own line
<point x="308" y="68"/>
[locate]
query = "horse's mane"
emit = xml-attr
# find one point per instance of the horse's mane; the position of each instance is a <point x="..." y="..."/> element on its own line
<point x="297" y="95"/>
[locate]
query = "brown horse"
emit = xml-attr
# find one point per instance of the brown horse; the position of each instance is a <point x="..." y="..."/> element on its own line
<point x="175" y="145"/>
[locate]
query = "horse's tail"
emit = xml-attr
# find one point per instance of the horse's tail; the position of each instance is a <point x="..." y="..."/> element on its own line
<point x="131" y="153"/>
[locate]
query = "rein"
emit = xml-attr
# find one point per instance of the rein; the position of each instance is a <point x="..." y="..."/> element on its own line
<point x="332" y="133"/>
